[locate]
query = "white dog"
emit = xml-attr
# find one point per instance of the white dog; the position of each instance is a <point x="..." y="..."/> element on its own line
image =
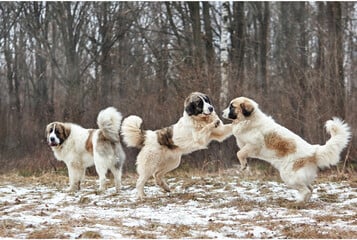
<point x="259" y="136"/>
<point x="161" y="150"/>
<point x="80" y="148"/>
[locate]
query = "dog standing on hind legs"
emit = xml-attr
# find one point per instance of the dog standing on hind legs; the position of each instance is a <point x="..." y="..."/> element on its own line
<point x="161" y="150"/>
<point x="259" y="136"/>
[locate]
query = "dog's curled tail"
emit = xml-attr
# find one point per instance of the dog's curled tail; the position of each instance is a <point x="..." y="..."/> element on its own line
<point x="329" y="154"/>
<point x="109" y="121"/>
<point x="133" y="135"/>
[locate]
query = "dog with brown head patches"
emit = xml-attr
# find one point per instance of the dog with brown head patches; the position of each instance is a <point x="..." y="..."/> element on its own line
<point x="80" y="148"/>
<point x="259" y="136"/>
<point x="161" y="150"/>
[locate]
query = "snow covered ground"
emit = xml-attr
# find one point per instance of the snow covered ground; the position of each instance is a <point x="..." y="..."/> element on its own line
<point x="206" y="206"/>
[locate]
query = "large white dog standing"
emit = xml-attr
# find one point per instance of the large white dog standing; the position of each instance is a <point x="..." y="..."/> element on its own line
<point x="80" y="148"/>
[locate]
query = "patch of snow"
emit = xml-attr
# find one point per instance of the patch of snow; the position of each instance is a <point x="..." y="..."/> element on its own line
<point x="238" y="209"/>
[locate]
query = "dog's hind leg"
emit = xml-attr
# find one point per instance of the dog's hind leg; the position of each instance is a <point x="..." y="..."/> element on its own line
<point x="170" y="165"/>
<point x="146" y="165"/>
<point x="304" y="193"/>
<point x="118" y="167"/>
<point x="102" y="171"/>
<point x="140" y="185"/>
<point x="160" y="181"/>
<point x="117" y="173"/>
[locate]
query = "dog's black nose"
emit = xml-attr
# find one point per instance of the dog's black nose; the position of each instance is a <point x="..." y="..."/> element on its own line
<point x="210" y="109"/>
<point x="52" y="139"/>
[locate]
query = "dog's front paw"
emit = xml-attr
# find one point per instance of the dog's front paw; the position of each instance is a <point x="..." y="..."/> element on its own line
<point x="243" y="166"/>
<point x="71" y="189"/>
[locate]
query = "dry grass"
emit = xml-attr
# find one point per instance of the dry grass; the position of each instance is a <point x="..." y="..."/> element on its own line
<point x="224" y="204"/>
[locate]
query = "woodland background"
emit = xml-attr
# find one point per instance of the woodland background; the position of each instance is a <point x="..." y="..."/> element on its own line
<point x="68" y="60"/>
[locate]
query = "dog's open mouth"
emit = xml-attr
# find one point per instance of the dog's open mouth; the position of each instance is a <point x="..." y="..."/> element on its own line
<point x="53" y="144"/>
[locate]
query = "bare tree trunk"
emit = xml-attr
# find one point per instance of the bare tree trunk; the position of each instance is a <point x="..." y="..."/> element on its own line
<point x="105" y="59"/>
<point x="336" y="76"/>
<point x="70" y="24"/>
<point x="11" y="52"/>
<point x="38" y="24"/>
<point x="238" y="43"/>
<point x="224" y="54"/>
<point x="321" y="53"/>
<point x="305" y="92"/>
<point x="263" y="29"/>
<point x="196" y="33"/>
<point x="209" y="69"/>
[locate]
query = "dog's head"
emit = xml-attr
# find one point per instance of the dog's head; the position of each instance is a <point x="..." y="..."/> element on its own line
<point x="239" y="109"/>
<point x="198" y="104"/>
<point x="57" y="133"/>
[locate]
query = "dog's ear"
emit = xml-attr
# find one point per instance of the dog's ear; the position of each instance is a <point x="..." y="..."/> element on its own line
<point x="247" y="108"/>
<point x="190" y="109"/>
<point x="67" y="131"/>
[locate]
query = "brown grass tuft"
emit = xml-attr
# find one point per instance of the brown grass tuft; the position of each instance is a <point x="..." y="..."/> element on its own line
<point x="90" y="235"/>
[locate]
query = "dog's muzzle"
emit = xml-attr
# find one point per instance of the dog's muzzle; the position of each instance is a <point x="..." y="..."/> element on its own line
<point x="52" y="142"/>
<point x="210" y="110"/>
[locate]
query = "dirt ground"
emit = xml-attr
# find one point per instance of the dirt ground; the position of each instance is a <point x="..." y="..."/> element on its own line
<point x="226" y="204"/>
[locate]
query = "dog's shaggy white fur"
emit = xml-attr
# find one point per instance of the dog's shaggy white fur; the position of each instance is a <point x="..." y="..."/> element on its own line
<point x="80" y="148"/>
<point x="259" y="136"/>
<point x="161" y="150"/>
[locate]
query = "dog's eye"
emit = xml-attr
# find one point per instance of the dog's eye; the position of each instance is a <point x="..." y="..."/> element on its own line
<point x="56" y="131"/>
<point x="231" y="106"/>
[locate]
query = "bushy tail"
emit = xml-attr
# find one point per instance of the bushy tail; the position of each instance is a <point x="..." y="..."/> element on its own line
<point x="132" y="133"/>
<point x="109" y="121"/>
<point x="329" y="154"/>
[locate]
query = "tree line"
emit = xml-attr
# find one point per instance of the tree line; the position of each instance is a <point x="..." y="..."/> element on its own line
<point x="68" y="60"/>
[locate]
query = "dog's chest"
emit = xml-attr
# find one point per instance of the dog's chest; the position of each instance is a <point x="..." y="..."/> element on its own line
<point x="243" y="134"/>
<point x="241" y="128"/>
<point x="62" y="154"/>
<point x="184" y="135"/>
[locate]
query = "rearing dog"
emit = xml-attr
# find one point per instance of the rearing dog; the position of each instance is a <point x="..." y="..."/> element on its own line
<point x="259" y="136"/>
<point x="161" y="150"/>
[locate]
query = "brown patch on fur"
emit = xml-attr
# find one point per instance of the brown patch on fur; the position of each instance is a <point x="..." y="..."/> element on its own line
<point x="104" y="145"/>
<point x="282" y="146"/>
<point x="142" y="136"/>
<point x="67" y="131"/>
<point x="301" y="162"/>
<point x="63" y="130"/>
<point x="142" y="140"/>
<point x="101" y="136"/>
<point x="246" y="108"/>
<point x="89" y="142"/>
<point x="164" y="137"/>
<point x="193" y="97"/>
<point x="202" y="120"/>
